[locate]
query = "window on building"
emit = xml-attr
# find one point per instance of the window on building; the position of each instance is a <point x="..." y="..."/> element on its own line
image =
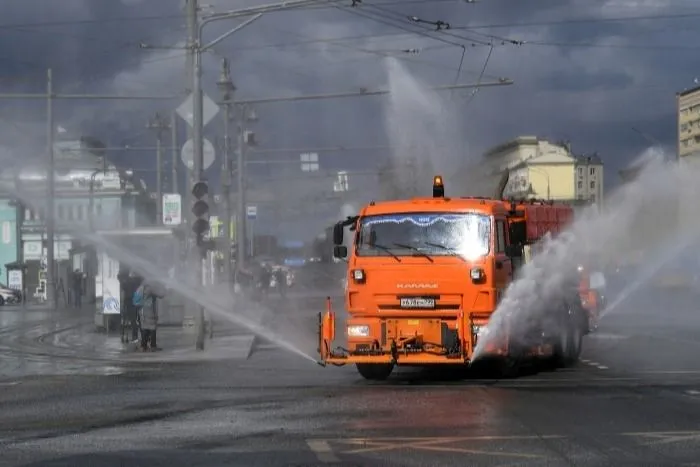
<point x="69" y="211"/>
<point x="580" y="171"/>
<point x="592" y="171"/>
<point x="500" y="236"/>
<point x="28" y="215"/>
<point x="684" y="127"/>
<point x="79" y="214"/>
<point x="592" y="184"/>
<point x="98" y="209"/>
<point x="61" y="212"/>
<point x="580" y="185"/>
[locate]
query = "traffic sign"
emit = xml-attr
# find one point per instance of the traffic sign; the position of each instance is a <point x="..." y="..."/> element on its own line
<point x="172" y="209"/>
<point x="251" y="212"/>
<point x="187" y="154"/>
<point x="209" y="110"/>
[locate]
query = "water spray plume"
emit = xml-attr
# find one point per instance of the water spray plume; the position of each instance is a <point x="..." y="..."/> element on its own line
<point x="647" y="214"/>
<point x="424" y="132"/>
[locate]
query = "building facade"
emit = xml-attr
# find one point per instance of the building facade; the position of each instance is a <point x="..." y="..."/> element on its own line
<point x="529" y="167"/>
<point x="688" y="105"/>
<point x="93" y="196"/>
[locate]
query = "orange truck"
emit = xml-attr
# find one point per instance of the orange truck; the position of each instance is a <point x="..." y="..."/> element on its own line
<point x="425" y="276"/>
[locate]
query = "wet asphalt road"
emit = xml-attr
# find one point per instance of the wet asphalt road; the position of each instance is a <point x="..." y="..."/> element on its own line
<point x="633" y="399"/>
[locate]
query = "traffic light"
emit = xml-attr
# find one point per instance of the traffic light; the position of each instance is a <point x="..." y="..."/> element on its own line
<point x="200" y="209"/>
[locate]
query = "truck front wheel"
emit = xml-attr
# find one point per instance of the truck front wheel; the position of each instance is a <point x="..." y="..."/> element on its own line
<point x="375" y="371"/>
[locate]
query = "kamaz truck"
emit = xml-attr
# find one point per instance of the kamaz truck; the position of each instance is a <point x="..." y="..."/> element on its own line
<point x="425" y="275"/>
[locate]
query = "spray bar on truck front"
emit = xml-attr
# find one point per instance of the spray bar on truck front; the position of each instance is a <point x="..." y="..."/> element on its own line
<point x="408" y="350"/>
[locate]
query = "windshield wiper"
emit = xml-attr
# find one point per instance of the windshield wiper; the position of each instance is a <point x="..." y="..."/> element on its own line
<point x="446" y="248"/>
<point x="388" y="250"/>
<point x="418" y="251"/>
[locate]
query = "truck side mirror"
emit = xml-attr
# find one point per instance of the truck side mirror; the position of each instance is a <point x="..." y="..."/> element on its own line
<point x="340" y="251"/>
<point x="338" y="234"/>
<point x="514" y="251"/>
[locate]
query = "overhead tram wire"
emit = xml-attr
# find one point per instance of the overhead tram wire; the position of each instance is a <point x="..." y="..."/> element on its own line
<point x="423" y="33"/>
<point x="507" y="40"/>
<point x="660" y="16"/>
<point x="441" y="26"/>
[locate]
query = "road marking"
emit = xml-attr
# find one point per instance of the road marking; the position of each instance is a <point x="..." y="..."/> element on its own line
<point x="324" y="452"/>
<point x="667" y="437"/>
<point x="602" y="367"/>
<point x="438" y="444"/>
<point x="692" y="392"/>
<point x="9" y="383"/>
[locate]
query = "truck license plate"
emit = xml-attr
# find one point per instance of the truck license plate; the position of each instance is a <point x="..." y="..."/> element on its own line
<point x="417" y="303"/>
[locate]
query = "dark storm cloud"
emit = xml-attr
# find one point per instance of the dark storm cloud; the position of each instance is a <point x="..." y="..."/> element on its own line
<point x="579" y="79"/>
<point x="584" y="81"/>
<point x="83" y="40"/>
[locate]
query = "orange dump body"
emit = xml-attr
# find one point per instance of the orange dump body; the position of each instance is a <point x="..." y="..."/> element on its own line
<point x="430" y="306"/>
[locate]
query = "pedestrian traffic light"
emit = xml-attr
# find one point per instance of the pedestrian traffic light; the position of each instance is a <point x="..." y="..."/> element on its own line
<point x="200" y="209"/>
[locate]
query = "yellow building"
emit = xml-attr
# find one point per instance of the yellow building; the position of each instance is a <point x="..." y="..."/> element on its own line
<point x="537" y="168"/>
<point x="688" y="122"/>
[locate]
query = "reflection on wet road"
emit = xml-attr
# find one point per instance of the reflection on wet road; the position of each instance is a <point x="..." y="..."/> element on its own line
<point x="633" y="399"/>
<point x="29" y="339"/>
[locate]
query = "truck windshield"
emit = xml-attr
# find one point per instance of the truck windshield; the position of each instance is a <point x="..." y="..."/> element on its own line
<point x="435" y="234"/>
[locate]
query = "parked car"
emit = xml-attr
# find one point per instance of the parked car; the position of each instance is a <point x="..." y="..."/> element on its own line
<point x="9" y="296"/>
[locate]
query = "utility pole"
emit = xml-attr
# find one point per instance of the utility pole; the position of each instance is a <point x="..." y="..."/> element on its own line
<point x="158" y="124"/>
<point x="50" y="179"/>
<point x="241" y="220"/>
<point x="228" y="94"/>
<point x="192" y="13"/>
<point x="173" y="148"/>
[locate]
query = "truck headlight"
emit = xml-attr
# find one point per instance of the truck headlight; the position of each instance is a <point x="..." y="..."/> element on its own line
<point x="358" y="331"/>
<point x="476" y="274"/>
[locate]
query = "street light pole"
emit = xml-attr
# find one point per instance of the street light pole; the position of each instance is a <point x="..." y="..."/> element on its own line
<point x="49" y="217"/>
<point x="198" y="133"/>
<point x="227" y="89"/>
<point x="241" y="220"/>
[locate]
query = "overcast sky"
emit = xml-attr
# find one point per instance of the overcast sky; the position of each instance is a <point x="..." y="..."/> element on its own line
<point x="588" y="71"/>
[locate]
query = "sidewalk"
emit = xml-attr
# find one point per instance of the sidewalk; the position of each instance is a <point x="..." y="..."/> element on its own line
<point x="176" y="344"/>
<point x="71" y="333"/>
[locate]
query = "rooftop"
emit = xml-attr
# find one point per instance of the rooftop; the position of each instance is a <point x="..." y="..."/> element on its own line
<point x="687" y="92"/>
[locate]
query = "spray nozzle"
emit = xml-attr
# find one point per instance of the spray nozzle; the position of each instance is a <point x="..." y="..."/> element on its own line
<point x="321" y="362"/>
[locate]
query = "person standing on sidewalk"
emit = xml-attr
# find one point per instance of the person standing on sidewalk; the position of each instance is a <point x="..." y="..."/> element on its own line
<point x="77" y="286"/>
<point x="146" y="299"/>
<point x="131" y="283"/>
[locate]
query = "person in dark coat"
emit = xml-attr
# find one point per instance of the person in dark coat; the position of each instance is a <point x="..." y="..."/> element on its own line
<point x="146" y="298"/>
<point x="77" y="286"/>
<point x="131" y="283"/>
